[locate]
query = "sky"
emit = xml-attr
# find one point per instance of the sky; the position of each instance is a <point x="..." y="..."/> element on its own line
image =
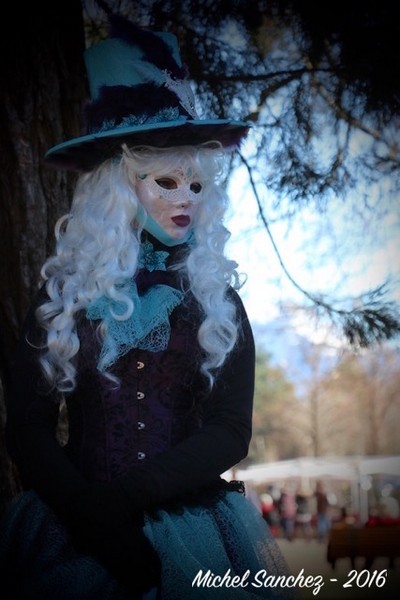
<point x="329" y="253"/>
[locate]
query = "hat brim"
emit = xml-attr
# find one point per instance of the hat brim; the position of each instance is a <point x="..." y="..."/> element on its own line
<point x="86" y="152"/>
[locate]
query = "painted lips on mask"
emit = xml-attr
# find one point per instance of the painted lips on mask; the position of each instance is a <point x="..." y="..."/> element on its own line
<point x="181" y="220"/>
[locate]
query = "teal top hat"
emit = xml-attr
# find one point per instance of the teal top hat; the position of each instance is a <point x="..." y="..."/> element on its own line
<point x="140" y="94"/>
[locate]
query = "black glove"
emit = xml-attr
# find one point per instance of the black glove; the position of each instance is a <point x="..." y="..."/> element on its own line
<point x="101" y="523"/>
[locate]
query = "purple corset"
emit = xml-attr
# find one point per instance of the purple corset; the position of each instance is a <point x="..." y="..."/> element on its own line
<point x="158" y="403"/>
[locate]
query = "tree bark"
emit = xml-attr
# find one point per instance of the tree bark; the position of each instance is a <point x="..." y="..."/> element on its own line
<point x="43" y="87"/>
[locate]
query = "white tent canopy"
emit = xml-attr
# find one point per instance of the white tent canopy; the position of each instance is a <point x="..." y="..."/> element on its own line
<point x="345" y="468"/>
<point x="357" y="470"/>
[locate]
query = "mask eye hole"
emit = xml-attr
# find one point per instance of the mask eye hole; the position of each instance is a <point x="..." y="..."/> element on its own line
<point x="166" y="183"/>
<point x="195" y="187"/>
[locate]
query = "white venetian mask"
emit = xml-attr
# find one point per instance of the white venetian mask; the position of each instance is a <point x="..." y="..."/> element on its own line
<point x="175" y="187"/>
<point x="171" y="200"/>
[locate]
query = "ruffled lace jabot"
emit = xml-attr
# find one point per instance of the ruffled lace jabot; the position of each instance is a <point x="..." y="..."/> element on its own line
<point x="154" y="293"/>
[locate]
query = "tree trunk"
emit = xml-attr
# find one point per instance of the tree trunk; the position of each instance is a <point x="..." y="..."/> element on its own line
<point x="43" y="87"/>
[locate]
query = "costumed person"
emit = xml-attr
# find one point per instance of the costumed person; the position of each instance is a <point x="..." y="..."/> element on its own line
<point x="139" y="329"/>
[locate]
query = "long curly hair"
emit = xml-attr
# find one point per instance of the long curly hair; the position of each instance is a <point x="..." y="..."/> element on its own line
<point x="97" y="249"/>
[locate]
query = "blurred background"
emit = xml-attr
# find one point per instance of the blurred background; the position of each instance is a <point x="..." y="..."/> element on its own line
<point x="315" y="231"/>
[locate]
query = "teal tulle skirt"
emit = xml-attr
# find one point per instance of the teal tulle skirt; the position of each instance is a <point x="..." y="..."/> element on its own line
<point x="221" y="550"/>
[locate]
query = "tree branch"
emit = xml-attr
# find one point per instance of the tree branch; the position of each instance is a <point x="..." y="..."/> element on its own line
<point x="370" y="322"/>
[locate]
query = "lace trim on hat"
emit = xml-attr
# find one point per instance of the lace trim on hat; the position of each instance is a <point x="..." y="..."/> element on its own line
<point x="162" y="116"/>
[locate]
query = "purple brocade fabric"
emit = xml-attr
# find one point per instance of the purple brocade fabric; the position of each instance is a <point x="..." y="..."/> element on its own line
<point x="157" y="404"/>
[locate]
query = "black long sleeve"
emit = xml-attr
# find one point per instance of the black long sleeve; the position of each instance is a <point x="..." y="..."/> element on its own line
<point x="222" y="441"/>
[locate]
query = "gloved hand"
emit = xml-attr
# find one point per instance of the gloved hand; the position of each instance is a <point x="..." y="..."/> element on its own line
<point x="102" y="523"/>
